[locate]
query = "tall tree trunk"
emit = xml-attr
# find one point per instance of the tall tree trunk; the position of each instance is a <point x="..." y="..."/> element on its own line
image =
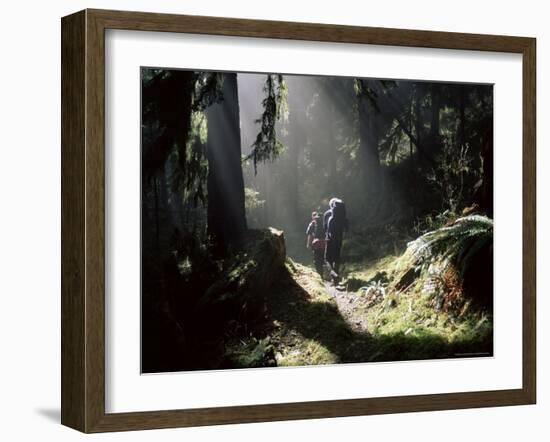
<point x="295" y="140"/>
<point x="411" y="117"/>
<point x="265" y="191"/>
<point x="332" y="153"/>
<point x="368" y="148"/>
<point x="417" y="116"/>
<point x="483" y="194"/>
<point x="167" y="218"/>
<point x="462" y="121"/>
<point x="292" y="184"/>
<point x="435" y="139"/>
<point x="436" y="107"/>
<point x="157" y="209"/>
<point x="226" y="210"/>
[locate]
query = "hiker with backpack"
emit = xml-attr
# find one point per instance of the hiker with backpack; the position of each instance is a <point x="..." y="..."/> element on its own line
<point x="316" y="241"/>
<point x="335" y="224"/>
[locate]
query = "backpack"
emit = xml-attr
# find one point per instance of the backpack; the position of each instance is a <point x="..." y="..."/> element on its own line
<point x="318" y="242"/>
<point x="339" y="210"/>
<point x="337" y="222"/>
<point x="318" y="230"/>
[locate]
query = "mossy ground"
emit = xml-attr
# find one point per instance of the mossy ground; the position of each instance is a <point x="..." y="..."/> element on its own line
<point x="309" y="322"/>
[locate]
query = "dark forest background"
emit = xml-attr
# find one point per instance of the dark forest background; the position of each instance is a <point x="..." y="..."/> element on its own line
<point x="226" y="156"/>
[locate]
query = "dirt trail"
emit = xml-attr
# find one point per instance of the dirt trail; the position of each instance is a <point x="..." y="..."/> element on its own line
<point x="348" y="304"/>
<point x="315" y="323"/>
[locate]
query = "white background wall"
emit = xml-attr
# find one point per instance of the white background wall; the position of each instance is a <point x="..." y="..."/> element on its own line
<point x="30" y="217"/>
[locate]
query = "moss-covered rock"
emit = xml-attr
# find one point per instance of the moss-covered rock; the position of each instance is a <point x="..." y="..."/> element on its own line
<point x="239" y="290"/>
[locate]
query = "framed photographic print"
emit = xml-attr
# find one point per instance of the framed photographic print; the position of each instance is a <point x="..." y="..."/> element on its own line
<point x="269" y="220"/>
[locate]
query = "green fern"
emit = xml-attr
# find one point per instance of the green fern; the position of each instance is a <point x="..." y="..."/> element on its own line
<point x="457" y="243"/>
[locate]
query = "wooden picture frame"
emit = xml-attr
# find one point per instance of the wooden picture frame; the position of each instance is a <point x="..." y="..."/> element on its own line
<point x="83" y="220"/>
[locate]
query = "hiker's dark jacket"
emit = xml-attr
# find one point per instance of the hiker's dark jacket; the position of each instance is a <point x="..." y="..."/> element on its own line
<point x="335" y="222"/>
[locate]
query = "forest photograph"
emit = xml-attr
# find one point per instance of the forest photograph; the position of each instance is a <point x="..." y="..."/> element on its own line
<point x="299" y="220"/>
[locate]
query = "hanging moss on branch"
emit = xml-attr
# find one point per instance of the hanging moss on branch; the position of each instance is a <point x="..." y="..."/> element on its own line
<point x="208" y="90"/>
<point x="267" y="146"/>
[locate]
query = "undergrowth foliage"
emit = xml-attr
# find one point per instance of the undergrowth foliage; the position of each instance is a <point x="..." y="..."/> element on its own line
<point x="457" y="243"/>
<point x="451" y="259"/>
